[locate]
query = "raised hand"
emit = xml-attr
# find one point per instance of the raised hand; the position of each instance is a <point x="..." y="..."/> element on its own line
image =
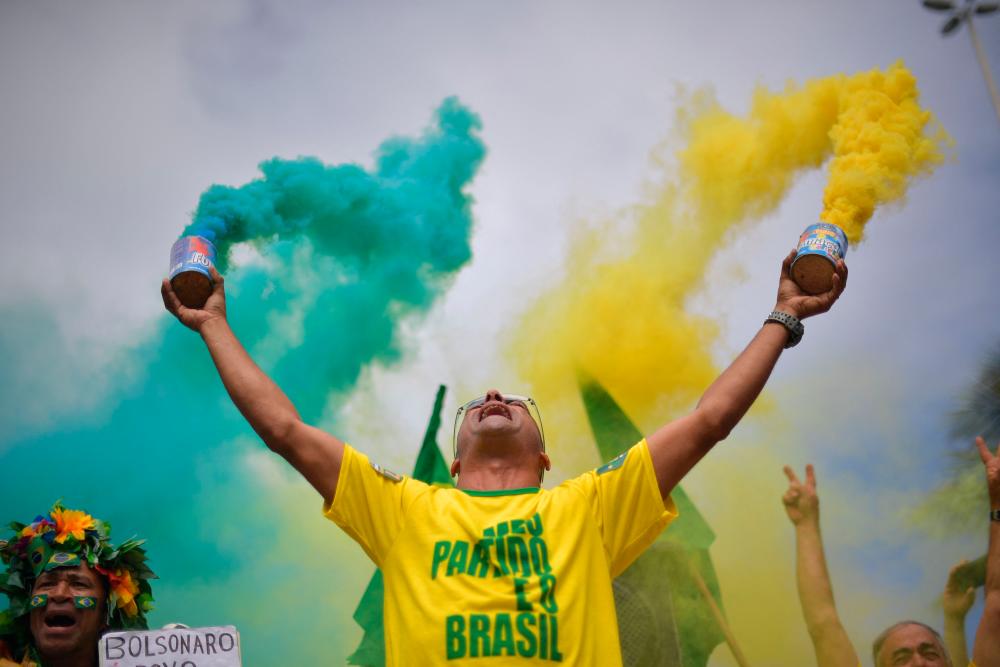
<point x="957" y="598"/>
<point x="794" y="301"/>
<point x="992" y="463"/>
<point x="801" y="501"/>
<point x="195" y="318"/>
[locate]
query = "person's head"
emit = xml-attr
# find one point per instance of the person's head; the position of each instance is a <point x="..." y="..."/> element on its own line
<point x="67" y="584"/>
<point x="73" y="615"/>
<point x="500" y="427"/>
<point x="910" y="644"/>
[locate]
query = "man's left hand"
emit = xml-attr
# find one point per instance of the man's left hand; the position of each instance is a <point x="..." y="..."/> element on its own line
<point x="794" y="301"/>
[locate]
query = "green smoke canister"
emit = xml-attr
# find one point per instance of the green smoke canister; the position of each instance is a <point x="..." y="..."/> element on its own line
<point x="191" y="257"/>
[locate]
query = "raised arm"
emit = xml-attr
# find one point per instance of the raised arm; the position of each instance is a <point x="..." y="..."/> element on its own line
<point x="833" y="647"/>
<point x="313" y="452"/>
<point x="956" y="601"/>
<point x="986" y="650"/>
<point x="676" y="447"/>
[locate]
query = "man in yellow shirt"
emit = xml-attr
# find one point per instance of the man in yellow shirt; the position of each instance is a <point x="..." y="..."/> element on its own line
<point x="498" y="570"/>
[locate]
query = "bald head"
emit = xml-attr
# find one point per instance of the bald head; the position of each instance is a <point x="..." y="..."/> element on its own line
<point x="910" y="644"/>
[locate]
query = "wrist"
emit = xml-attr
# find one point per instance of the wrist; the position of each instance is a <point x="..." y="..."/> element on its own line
<point x="212" y="324"/>
<point x="955" y="618"/>
<point x="788" y="309"/>
<point x="808" y="524"/>
<point x="792" y="325"/>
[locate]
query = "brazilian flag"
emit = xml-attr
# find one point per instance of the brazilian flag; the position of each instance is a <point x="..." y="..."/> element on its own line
<point x="431" y="468"/>
<point x="663" y="617"/>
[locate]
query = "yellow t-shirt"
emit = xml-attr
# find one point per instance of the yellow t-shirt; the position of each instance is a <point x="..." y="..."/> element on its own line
<point x="26" y="662"/>
<point x="499" y="577"/>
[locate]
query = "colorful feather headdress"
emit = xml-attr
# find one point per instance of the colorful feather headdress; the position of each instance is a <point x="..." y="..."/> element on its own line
<point x="67" y="538"/>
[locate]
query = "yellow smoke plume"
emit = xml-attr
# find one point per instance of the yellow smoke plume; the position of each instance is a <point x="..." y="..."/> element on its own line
<point x="879" y="145"/>
<point x="621" y="312"/>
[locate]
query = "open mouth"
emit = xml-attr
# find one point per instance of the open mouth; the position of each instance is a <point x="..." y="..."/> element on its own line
<point x="491" y="409"/>
<point x="57" y="620"/>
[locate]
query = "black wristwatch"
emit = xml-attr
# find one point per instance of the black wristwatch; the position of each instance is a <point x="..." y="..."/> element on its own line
<point x="795" y="328"/>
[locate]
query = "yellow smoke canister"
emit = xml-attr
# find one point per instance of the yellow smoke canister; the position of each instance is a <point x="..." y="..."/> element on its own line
<point x="820" y="246"/>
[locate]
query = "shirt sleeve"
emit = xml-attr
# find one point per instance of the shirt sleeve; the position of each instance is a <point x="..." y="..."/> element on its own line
<point x="370" y="503"/>
<point x="625" y="500"/>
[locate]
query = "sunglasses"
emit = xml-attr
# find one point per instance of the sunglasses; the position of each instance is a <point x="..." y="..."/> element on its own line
<point x="525" y="402"/>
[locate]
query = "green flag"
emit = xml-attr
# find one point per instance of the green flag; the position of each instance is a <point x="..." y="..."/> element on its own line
<point x="431" y="466"/>
<point x="433" y="469"/>
<point x="662" y="617"/>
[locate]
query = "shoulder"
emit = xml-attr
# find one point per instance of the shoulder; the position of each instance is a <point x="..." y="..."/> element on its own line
<point x="358" y="463"/>
<point x="635" y="458"/>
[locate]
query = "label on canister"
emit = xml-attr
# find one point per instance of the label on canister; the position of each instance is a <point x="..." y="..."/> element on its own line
<point x="820" y="246"/>
<point x="823" y="239"/>
<point x="191" y="253"/>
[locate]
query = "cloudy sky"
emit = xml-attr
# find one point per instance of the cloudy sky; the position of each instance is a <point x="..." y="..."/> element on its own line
<point x="117" y="115"/>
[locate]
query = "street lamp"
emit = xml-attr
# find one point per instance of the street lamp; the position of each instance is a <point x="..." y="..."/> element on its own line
<point x="963" y="14"/>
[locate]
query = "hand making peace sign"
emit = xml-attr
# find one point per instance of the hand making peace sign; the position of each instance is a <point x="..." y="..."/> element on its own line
<point x="801" y="501"/>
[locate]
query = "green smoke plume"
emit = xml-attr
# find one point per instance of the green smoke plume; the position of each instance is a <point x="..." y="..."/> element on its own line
<point x="346" y="256"/>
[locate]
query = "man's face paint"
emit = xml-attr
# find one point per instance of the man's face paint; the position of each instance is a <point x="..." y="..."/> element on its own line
<point x="79" y="601"/>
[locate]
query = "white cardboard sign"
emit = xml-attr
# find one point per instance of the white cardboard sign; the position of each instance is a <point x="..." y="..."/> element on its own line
<point x="175" y="647"/>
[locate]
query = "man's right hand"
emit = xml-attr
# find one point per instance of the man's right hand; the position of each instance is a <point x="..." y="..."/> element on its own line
<point x="992" y="464"/>
<point x="801" y="501"/>
<point x="957" y="599"/>
<point x="195" y="318"/>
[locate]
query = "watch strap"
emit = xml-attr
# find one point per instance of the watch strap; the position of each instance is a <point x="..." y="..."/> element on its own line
<point x="795" y="327"/>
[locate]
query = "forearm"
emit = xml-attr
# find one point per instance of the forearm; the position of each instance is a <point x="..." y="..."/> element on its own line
<point x="986" y="652"/>
<point x="954" y="639"/>
<point x="677" y="446"/>
<point x="728" y="398"/>
<point x="812" y="577"/>
<point x="258" y="398"/>
<point x="992" y="586"/>
<point x="830" y="640"/>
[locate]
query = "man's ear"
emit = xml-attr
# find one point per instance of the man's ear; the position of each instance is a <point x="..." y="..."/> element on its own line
<point x="543" y="464"/>
<point x="456" y="466"/>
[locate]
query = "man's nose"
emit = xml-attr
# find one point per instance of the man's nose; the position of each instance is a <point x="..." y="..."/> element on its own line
<point x="60" y="591"/>
<point x="494" y="395"/>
